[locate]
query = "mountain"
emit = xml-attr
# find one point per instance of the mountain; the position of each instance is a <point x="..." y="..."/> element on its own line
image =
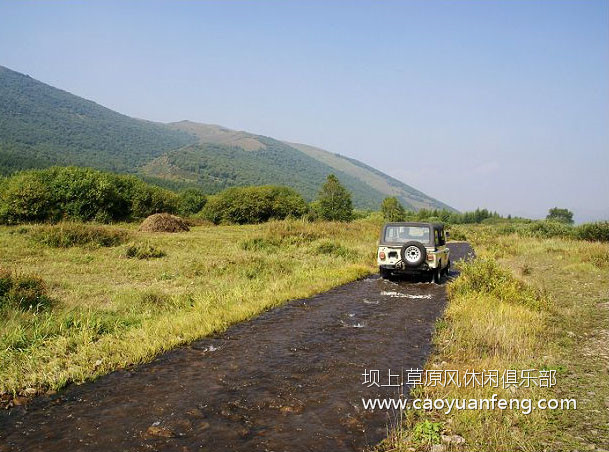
<point x="42" y="126"/>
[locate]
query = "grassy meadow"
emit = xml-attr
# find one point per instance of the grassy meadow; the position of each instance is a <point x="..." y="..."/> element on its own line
<point x="527" y="303"/>
<point x="119" y="296"/>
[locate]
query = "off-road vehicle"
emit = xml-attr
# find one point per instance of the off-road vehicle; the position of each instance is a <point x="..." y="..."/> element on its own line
<point x="413" y="248"/>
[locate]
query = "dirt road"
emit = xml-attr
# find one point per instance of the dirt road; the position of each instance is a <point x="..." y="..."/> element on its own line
<point x="289" y="380"/>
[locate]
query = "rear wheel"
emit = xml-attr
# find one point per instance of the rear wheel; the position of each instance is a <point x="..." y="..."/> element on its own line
<point x="437" y="275"/>
<point x="385" y="273"/>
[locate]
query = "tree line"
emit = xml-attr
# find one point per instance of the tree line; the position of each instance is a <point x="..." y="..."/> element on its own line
<point x="83" y="194"/>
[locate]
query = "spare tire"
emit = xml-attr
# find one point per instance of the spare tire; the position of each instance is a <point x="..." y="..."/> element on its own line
<point x="413" y="254"/>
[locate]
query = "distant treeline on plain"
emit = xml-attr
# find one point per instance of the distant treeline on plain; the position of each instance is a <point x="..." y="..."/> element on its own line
<point x="83" y="194"/>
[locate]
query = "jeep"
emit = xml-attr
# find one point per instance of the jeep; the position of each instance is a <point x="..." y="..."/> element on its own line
<point x="413" y="248"/>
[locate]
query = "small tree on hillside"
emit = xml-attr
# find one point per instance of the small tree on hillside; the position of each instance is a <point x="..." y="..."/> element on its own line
<point x="392" y="209"/>
<point x="560" y="215"/>
<point x="335" y="201"/>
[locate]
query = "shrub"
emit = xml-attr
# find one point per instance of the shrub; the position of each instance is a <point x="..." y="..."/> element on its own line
<point x="243" y="205"/>
<point x="143" y="251"/>
<point x="144" y="199"/>
<point x="549" y="229"/>
<point x="456" y="233"/>
<point x="25" y="197"/>
<point x="23" y="292"/>
<point x="594" y="232"/>
<point x="66" y="235"/>
<point x="191" y="201"/>
<point x="80" y="194"/>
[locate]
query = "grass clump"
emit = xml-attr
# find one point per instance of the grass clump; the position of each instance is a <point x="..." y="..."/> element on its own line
<point x="333" y="249"/>
<point x="144" y="251"/>
<point x="259" y="244"/>
<point x="487" y="277"/>
<point x="23" y="292"/>
<point x="426" y="432"/>
<point x="66" y="235"/>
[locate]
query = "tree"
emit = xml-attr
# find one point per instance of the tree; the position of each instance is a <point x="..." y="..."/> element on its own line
<point x="335" y="201"/>
<point x="392" y="209"/>
<point x="560" y="215"/>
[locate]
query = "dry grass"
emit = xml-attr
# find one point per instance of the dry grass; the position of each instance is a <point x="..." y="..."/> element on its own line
<point x="543" y="307"/>
<point x="164" y="222"/>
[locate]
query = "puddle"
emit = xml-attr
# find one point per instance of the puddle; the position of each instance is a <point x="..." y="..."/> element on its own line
<point x="289" y="380"/>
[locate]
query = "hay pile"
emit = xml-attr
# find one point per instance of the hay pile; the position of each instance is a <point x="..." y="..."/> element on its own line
<point x="164" y="222"/>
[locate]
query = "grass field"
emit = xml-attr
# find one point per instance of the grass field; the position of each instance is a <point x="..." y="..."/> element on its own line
<point x="121" y="296"/>
<point x="528" y="303"/>
<point x="114" y="297"/>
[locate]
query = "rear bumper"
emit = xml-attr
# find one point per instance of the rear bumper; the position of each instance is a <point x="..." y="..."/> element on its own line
<point x="400" y="267"/>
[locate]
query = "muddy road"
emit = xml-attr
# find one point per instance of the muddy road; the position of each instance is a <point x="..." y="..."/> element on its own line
<point x="289" y="380"/>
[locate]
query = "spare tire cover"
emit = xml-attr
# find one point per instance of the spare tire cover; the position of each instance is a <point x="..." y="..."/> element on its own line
<point x="413" y="253"/>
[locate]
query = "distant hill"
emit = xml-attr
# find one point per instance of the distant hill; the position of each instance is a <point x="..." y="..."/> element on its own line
<point x="42" y="126"/>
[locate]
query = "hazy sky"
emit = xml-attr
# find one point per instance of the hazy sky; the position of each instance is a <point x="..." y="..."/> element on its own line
<point x="499" y="104"/>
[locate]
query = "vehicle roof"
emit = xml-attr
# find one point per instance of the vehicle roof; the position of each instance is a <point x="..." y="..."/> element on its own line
<point x="433" y="226"/>
<point x="414" y="223"/>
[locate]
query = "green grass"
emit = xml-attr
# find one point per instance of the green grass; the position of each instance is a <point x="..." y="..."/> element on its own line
<point x="528" y="302"/>
<point x="112" y="311"/>
<point x="66" y="235"/>
<point x="145" y="250"/>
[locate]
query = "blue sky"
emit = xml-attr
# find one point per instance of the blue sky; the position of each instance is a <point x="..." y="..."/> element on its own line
<point x="499" y="104"/>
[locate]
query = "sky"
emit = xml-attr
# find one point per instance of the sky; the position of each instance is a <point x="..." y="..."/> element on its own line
<point x="501" y="104"/>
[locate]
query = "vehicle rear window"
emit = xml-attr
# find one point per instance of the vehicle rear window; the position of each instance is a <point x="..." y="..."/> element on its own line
<point x="402" y="234"/>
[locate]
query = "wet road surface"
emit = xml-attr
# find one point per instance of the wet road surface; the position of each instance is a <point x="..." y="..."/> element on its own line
<point x="289" y="380"/>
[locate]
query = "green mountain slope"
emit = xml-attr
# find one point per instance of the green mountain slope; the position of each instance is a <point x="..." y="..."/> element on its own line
<point x="215" y="167"/>
<point x="272" y="160"/>
<point x="374" y="178"/>
<point x="41" y="126"/>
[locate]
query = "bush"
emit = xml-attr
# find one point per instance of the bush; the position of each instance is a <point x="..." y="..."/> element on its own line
<point x="594" y="232"/>
<point x="81" y="194"/>
<point x="66" y="235"/>
<point x="247" y="205"/>
<point x="549" y="229"/>
<point x="23" y="292"/>
<point x="143" y="251"/>
<point x="191" y="201"/>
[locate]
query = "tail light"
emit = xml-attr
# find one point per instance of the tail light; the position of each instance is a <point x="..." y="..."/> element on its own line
<point x="430" y="257"/>
<point x="382" y="255"/>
